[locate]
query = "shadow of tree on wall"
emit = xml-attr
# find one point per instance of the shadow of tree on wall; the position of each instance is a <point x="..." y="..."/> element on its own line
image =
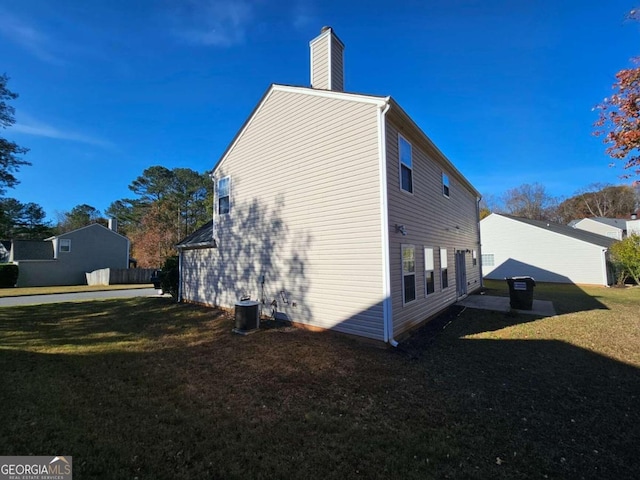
<point x="254" y="242"/>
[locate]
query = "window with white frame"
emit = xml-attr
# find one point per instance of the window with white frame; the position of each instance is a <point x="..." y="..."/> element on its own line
<point x="408" y="273"/>
<point x="224" y="195"/>
<point x="429" y="275"/>
<point x="474" y="257"/>
<point x="406" y="164"/>
<point x="65" y="245"/>
<point x="445" y="185"/>
<point x="444" y="271"/>
<point x="488" y="260"/>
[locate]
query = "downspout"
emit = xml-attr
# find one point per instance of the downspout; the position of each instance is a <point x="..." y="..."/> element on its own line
<point x="384" y="217"/>
<point x="604" y="267"/>
<point x="128" y="253"/>
<point x="478" y="199"/>
<point x="180" y="250"/>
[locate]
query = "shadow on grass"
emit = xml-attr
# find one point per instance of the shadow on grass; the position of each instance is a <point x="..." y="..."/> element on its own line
<point x="545" y="406"/>
<point x="93" y="323"/>
<point x="288" y="403"/>
<point x="566" y="297"/>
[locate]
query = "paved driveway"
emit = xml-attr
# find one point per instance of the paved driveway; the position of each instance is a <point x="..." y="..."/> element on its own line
<point x="77" y="297"/>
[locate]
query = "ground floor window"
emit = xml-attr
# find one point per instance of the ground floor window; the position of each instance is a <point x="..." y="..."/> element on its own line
<point x="429" y="277"/>
<point x="488" y="260"/>
<point x="444" y="271"/>
<point x="408" y="273"/>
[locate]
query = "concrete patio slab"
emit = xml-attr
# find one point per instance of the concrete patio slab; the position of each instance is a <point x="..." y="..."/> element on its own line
<point x="501" y="304"/>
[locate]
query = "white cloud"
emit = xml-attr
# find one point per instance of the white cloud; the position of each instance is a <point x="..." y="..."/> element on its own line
<point x="30" y="126"/>
<point x="32" y="40"/>
<point x="218" y="23"/>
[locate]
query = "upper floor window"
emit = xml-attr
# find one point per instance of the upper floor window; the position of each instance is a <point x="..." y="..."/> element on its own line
<point x="406" y="164"/>
<point x="445" y="185"/>
<point x="224" y="190"/>
<point x="65" y="245"/>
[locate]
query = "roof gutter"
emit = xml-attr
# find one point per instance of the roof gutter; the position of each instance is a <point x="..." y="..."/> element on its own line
<point x="384" y="230"/>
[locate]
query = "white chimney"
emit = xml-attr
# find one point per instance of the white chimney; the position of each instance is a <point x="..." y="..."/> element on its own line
<point x="327" y="61"/>
<point x="113" y="224"/>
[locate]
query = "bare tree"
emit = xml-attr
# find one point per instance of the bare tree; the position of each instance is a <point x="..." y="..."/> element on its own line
<point x="529" y="201"/>
<point x="604" y="200"/>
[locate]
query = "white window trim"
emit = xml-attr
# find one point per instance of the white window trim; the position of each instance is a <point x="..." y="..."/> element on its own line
<point x="400" y="164"/>
<point x="405" y="274"/>
<point x="432" y="270"/>
<point x="217" y="197"/>
<point x="446" y="184"/>
<point x="66" y="241"/>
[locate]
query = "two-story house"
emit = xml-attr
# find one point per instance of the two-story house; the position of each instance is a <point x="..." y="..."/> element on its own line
<point x="337" y="210"/>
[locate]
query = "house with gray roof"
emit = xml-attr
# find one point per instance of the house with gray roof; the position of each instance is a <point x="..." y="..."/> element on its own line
<point x="66" y="259"/>
<point x="335" y="210"/>
<point x="547" y="251"/>
<point x="617" y="228"/>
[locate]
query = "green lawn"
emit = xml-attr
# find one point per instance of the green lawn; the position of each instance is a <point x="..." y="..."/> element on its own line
<point x="144" y="388"/>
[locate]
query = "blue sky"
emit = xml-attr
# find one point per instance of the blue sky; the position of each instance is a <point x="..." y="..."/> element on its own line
<point x="110" y="87"/>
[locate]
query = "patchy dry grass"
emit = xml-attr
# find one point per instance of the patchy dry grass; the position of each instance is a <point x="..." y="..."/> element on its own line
<point x="143" y="388"/>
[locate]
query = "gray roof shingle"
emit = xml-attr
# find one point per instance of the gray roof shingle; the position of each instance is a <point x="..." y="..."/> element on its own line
<point x="576" y="233"/>
<point x="201" y="238"/>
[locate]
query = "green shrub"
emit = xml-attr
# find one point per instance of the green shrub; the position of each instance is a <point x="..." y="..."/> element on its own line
<point x="169" y="276"/>
<point x="626" y="255"/>
<point x="8" y="275"/>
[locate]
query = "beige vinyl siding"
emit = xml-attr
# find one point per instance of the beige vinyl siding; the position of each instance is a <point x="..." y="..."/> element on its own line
<point x="305" y="212"/>
<point x="522" y="249"/>
<point x="431" y="220"/>
<point x="320" y="64"/>
<point x="337" y="65"/>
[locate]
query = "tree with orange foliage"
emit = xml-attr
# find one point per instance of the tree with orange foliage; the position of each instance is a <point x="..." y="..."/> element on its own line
<point x="153" y="242"/>
<point x="619" y="116"/>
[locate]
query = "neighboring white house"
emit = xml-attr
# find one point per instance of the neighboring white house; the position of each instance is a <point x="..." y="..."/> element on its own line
<point x="615" y="228"/>
<point x="549" y="252"/>
<point x="335" y="209"/>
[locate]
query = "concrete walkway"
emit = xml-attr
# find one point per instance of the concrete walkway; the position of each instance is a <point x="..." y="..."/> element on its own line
<point x="542" y="308"/>
<point x="78" y="296"/>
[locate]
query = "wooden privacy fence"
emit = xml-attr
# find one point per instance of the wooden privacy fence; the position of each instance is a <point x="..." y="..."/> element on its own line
<point x="115" y="276"/>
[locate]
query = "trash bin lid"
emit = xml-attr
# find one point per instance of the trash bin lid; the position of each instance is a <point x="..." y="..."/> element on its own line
<point x="522" y="277"/>
<point x="247" y="303"/>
